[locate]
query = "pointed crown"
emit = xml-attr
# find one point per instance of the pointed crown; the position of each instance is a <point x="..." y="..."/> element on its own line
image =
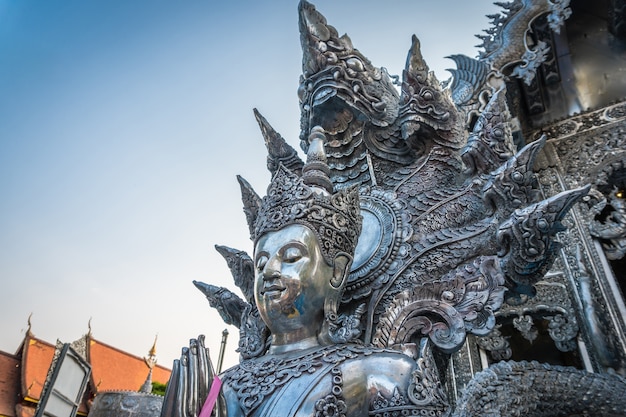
<point x="308" y="200"/>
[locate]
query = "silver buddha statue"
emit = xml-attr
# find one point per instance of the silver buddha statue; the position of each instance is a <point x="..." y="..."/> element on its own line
<point x="305" y="237"/>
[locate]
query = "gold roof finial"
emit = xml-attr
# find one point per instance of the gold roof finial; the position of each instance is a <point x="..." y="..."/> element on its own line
<point x="151" y="359"/>
<point x="28" y="331"/>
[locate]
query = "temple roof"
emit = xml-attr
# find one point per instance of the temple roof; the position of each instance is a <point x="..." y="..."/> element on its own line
<point x="9" y="383"/>
<point x="114" y="369"/>
<point x="36" y="359"/>
<point x="23" y="374"/>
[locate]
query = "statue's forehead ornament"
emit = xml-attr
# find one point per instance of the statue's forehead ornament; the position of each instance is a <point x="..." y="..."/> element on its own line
<point x="308" y="200"/>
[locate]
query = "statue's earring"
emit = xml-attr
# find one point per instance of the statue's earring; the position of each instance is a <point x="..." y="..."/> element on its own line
<point x="330" y="312"/>
<point x="254" y="335"/>
<point x="340" y="328"/>
<point x="343" y="328"/>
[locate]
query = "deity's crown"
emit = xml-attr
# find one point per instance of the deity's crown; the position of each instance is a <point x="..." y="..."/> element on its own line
<point x="308" y="200"/>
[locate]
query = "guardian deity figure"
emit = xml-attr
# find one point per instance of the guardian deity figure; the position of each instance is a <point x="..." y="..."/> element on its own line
<point x="305" y="236"/>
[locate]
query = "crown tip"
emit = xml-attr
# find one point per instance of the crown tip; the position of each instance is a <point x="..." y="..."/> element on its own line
<point x="316" y="172"/>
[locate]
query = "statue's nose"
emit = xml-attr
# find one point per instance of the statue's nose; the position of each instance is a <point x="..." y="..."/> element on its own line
<point x="272" y="269"/>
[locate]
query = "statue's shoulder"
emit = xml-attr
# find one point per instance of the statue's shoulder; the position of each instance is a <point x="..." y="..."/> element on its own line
<point x="380" y="370"/>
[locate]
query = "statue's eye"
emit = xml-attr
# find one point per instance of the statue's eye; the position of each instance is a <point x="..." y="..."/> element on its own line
<point x="427" y="94"/>
<point x="260" y="262"/>
<point x="292" y="254"/>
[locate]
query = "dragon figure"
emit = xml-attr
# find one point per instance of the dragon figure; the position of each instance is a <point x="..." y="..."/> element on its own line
<point x="453" y="220"/>
<point x="613" y="229"/>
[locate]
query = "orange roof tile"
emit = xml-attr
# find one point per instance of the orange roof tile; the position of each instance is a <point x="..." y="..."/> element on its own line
<point x="114" y="369"/>
<point x="36" y="359"/>
<point x="9" y="383"/>
<point x="25" y="411"/>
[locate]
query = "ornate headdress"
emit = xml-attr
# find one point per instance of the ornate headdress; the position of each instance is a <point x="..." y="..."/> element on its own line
<point x="308" y="200"/>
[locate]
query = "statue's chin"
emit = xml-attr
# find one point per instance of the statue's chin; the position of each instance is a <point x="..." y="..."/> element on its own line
<point x="279" y="314"/>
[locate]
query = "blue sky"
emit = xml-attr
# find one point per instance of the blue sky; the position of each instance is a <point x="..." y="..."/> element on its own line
<point x="122" y="127"/>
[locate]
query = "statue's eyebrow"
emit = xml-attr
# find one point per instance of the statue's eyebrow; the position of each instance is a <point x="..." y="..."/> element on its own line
<point x="293" y="244"/>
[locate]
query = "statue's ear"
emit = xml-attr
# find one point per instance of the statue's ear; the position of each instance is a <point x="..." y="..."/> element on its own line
<point x="341" y="269"/>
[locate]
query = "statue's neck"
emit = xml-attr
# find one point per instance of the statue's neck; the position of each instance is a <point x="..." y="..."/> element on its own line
<point x="280" y="348"/>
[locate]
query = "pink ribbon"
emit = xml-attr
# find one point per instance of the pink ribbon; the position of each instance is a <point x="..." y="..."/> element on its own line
<point x="211" y="399"/>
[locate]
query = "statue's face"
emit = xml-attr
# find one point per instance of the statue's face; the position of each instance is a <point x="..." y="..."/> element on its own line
<point x="292" y="281"/>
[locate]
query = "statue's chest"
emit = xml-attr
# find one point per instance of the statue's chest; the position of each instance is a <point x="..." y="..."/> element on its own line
<point x="286" y="385"/>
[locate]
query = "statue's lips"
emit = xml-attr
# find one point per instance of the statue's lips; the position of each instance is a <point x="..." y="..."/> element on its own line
<point x="272" y="290"/>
